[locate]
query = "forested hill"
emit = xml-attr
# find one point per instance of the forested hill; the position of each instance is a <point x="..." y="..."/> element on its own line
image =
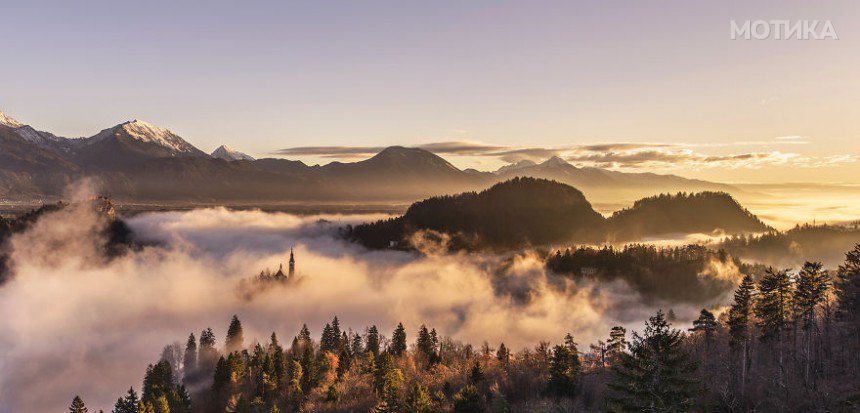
<point x="704" y="212"/>
<point x="117" y="236"/>
<point x="513" y="213"/>
<point x="531" y="211"/>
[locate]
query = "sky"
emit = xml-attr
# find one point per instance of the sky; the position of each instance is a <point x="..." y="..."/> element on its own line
<point x="633" y="86"/>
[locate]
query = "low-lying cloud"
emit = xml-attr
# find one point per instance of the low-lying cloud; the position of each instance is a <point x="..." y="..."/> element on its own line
<point x="74" y="323"/>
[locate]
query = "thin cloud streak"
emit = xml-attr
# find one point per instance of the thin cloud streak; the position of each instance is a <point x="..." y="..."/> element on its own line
<point x="614" y="155"/>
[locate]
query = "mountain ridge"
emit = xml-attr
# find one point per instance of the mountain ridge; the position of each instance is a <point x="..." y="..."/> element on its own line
<point x="129" y="160"/>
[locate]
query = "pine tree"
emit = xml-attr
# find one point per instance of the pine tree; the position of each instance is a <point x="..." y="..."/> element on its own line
<point x="357" y="346"/>
<point x="235" y="336"/>
<point x="190" y="359"/>
<point x="503" y="354"/>
<point x="739" y="328"/>
<point x="774" y="309"/>
<point x="128" y="404"/>
<point x="278" y="360"/>
<point x="398" y="341"/>
<point x="467" y="400"/>
<point x="706" y="324"/>
<point x="811" y="291"/>
<point x="327" y="340"/>
<point x="424" y="344"/>
<point x="78" y="406"/>
<point x="207" y="355"/>
<point x="372" y="340"/>
<point x="222" y="374"/>
<point x="847" y="291"/>
<point x="303" y="340"/>
<point x="336" y="334"/>
<point x="564" y="369"/>
<point x="656" y="375"/>
<point x="476" y="375"/>
<point x="417" y="400"/>
<point x="387" y="381"/>
<point x="617" y="342"/>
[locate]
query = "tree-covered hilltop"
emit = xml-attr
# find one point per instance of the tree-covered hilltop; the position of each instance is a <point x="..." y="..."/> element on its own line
<point x="117" y="235"/>
<point x="789" y="342"/>
<point x="790" y="248"/>
<point x="691" y="273"/>
<point x="518" y="212"/>
<point x="532" y="212"/>
<point x="683" y="213"/>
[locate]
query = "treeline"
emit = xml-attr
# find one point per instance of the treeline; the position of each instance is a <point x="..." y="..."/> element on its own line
<point x="526" y="212"/>
<point x="690" y="273"/>
<point x="789" y="342"/>
<point x="790" y="248"/>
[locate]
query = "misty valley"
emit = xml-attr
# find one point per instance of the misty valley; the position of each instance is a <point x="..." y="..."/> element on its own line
<point x="517" y="298"/>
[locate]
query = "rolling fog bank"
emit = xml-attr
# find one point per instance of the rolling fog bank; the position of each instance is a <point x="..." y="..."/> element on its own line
<point x="77" y="323"/>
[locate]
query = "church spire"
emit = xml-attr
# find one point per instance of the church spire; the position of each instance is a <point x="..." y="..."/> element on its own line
<point x="292" y="263"/>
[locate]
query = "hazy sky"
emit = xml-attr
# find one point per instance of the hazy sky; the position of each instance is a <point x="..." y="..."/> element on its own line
<point x="519" y="76"/>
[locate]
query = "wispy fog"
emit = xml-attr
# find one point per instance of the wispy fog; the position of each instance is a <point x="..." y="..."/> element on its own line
<point x="75" y="324"/>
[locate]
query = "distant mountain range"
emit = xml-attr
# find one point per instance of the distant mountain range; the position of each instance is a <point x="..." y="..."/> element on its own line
<point x="137" y="161"/>
<point x="538" y="212"/>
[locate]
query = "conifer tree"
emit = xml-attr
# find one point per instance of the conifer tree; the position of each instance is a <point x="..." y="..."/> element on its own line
<point x="811" y="291"/>
<point x="357" y="346"/>
<point x="847" y="291"/>
<point x="235" y="336"/>
<point x="656" y="375"/>
<point x="222" y="374"/>
<point x="503" y="354"/>
<point x="207" y="355"/>
<point x="128" y="404"/>
<point x="78" y="406"/>
<point x="739" y="327"/>
<point x="398" y="341"/>
<point x="417" y="399"/>
<point x="372" y="340"/>
<point x="706" y="324"/>
<point x="467" y="400"/>
<point x="476" y="375"/>
<point x="279" y="361"/>
<point x="388" y="380"/>
<point x="617" y="342"/>
<point x="190" y="358"/>
<point x="305" y="334"/>
<point x="563" y="372"/>
<point x="336" y="333"/>
<point x="327" y="339"/>
<point x="424" y="344"/>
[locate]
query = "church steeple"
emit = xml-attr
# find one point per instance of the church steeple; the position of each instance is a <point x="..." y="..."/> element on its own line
<point x="292" y="263"/>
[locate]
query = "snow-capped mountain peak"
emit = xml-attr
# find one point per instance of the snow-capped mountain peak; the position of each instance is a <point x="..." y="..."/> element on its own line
<point x="227" y="154"/>
<point x="9" y="121"/>
<point x="144" y="132"/>
<point x="554" y="161"/>
<point x="516" y="166"/>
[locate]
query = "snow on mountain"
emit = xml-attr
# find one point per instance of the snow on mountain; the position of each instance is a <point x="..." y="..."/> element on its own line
<point x="515" y="166"/>
<point x="8" y="121"/>
<point x="147" y="133"/>
<point x="554" y="161"/>
<point x="227" y="154"/>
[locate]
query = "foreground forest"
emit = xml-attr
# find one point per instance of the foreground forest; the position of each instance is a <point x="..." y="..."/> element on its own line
<point x="789" y="341"/>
